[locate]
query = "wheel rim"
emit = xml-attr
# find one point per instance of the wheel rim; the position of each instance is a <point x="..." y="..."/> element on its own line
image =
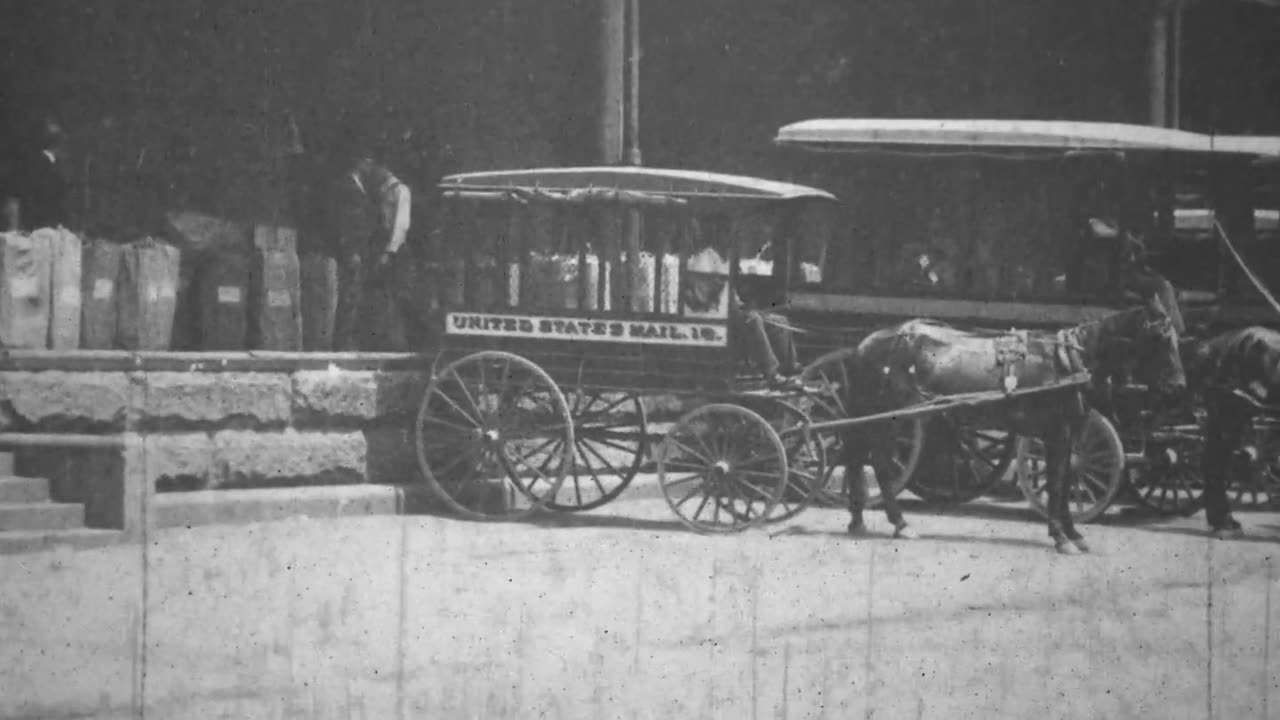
<point x="491" y="436"/>
<point x="826" y="379"/>
<point x="974" y="463"/>
<point x="722" y="469"/>
<point x="806" y="463"/>
<point x="1097" y="468"/>
<point x="610" y="443"/>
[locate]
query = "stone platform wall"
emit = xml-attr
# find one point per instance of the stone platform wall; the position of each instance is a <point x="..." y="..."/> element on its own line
<point x="209" y="421"/>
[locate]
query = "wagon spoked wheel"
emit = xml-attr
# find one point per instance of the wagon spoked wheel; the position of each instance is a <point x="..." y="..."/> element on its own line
<point x="806" y="463"/>
<point x="493" y="436"/>
<point x="1096" y="471"/>
<point x="1255" y="482"/>
<point x="610" y="443"/>
<point x="965" y="461"/>
<point x="1172" y="481"/>
<point x="722" y="468"/>
<point x="825" y="380"/>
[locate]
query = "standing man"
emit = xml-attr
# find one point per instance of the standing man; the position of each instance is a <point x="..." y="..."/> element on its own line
<point x="373" y="209"/>
<point x="41" y="187"/>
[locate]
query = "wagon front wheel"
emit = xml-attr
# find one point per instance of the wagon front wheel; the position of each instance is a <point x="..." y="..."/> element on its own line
<point x="494" y="437"/>
<point x="722" y="469"/>
<point x="963" y="461"/>
<point x="1096" y="473"/>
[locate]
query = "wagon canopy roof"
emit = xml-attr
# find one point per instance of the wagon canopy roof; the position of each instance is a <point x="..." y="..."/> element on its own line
<point x="623" y="183"/>
<point x="995" y="137"/>
<point x="1265" y="148"/>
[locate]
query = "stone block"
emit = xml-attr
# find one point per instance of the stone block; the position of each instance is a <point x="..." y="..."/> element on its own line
<point x="254" y="459"/>
<point x="179" y="462"/>
<point x="65" y="402"/>
<point x="328" y="398"/>
<point x="178" y="401"/>
<point x="334" y="397"/>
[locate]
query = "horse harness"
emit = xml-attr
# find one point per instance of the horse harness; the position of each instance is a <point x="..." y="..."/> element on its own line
<point x="1011" y="356"/>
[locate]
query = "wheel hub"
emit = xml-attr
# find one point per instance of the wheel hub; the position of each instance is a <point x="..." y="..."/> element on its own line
<point x="487" y="437"/>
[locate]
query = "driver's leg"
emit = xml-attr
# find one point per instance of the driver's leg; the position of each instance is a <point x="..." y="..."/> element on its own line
<point x="783" y="343"/>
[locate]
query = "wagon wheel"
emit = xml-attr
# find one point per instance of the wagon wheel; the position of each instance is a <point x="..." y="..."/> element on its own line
<point x="970" y="461"/>
<point x="609" y="446"/>
<point x="1171" y="480"/>
<point x="1256" y="480"/>
<point x="1097" y="470"/>
<point x="487" y="433"/>
<point x="806" y="462"/>
<point x="722" y="468"/>
<point x="825" y="381"/>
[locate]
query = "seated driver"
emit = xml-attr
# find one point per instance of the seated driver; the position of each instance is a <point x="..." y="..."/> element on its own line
<point x="766" y="337"/>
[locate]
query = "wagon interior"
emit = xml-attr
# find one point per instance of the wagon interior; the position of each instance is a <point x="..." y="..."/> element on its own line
<point x="602" y="276"/>
<point x="581" y="302"/>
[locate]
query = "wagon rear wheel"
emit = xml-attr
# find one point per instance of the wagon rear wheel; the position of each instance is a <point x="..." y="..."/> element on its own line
<point x="1096" y="473"/>
<point x="1255" y="483"/>
<point x="609" y="446"/>
<point x="493" y="436"/>
<point x="826" y="380"/>
<point x="722" y="468"/>
<point x="966" y="461"/>
<point x="1171" y="480"/>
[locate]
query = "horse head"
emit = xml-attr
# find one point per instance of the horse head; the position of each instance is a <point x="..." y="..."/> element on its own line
<point x="1146" y="340"/>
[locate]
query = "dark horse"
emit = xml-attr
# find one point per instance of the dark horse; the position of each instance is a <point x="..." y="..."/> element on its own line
<point x="920" y="360"/>
<point x="1238" y="375"/>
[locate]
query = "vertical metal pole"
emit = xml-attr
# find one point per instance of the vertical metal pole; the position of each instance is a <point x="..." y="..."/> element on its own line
<point x="613" y="48"/>
<point x="633" y="112"/>
<point x="1175" y="66"/>
<point x="1158" y="69"/>
<point x="634" y="219"/>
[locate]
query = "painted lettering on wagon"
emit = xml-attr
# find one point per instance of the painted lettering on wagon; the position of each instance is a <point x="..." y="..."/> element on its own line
<point x="569" y="328"/>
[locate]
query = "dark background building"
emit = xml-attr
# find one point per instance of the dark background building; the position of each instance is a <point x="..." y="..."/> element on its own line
<point x="187" y="102"/>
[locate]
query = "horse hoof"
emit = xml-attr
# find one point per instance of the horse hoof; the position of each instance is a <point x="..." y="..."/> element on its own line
<point x="905" y="532"/>
<point x="856" y="529"/>
<point x="1067" y="548"/>
<point x="1081" y="545"/>
<point x="1228" y="533"/>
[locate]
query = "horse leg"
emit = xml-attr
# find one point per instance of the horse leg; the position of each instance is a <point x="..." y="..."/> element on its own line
<point x="855" y="459"/>
<point x="1226" y="425"/>
<point x="1068" y="523"/>
<point x="1056" y="447"/>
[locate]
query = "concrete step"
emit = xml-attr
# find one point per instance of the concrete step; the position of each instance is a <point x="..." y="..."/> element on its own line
<point x="25" y="541"/>
<point x="224" y="507"/>
<point x="41" y="516"/>
<point x="6" y="463"/>
<point x="15" y="489"/>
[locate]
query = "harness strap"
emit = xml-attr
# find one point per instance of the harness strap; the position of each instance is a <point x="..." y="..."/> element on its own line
<point x="1257" y="282"/>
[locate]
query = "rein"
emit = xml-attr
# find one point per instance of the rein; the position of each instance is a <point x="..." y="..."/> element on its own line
<point x="1253" y="278"/>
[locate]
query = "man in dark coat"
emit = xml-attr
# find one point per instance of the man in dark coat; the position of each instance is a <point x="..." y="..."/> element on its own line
<point x="373" y="208"/>
<point x="41" y="184"/>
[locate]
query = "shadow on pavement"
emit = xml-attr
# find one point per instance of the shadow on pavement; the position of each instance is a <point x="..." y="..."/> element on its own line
<point x="1252" y="534"/>
<point x="925" y="537"/>
<point x="571" y="520"/>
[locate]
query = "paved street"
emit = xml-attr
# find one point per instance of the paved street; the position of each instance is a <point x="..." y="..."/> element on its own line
<point x="622" y="614"/>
